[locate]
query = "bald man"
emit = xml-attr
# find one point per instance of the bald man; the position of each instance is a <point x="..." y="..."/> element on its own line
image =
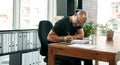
<point x="67" y="29"/>
<point x="71" y="26"/>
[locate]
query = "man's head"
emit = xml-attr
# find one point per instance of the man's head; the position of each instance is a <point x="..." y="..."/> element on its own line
<point x="79" y="18"/>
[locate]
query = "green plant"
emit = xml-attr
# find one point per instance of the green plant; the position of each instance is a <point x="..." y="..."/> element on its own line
<point x="104" y="28"/>
<point x="89" y="28"/>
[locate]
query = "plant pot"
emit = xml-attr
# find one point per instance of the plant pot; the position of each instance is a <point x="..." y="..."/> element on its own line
<point x="110" y="34"/>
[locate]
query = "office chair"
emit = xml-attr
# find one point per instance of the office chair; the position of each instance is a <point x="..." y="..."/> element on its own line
<point x="43" y="30"/>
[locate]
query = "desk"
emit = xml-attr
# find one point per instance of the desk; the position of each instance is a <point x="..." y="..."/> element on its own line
<point x="105" y="50"/>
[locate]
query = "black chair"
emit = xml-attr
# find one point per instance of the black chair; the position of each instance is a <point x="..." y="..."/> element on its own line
<point x="43" y="30"/>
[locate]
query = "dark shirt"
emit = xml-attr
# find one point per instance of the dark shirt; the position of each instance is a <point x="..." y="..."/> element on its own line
<point x="64" y="27"/>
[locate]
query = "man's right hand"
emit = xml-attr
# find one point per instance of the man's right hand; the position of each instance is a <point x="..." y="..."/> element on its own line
<point x="68" y="38"/>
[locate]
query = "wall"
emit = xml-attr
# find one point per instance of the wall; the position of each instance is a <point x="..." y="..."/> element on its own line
<point x="91" y="7"/>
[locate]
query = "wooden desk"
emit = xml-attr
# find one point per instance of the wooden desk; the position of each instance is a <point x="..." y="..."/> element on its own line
<point x="105" y="50"/>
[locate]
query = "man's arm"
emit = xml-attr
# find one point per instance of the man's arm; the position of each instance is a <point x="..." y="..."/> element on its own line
<point x="79" y="34"/>
<point x="53" y="37"/>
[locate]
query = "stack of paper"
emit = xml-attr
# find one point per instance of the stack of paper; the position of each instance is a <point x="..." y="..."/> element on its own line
<point x="87" y="46"/>
<point x="79" y="41"/>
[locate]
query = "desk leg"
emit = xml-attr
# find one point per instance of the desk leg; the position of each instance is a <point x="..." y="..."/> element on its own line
<point x="96" y="62"/>
<point x="112" y="62"/>
<point x="51" y="56"/>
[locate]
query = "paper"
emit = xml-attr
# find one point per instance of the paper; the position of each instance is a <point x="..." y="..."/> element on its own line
<point x="79" y="41"/>
<point x="87" y="46"/>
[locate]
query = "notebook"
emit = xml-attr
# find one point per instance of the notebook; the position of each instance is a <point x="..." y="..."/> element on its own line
<point x="79" y="42"/>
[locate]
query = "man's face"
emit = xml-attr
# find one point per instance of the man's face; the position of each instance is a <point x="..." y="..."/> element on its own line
<point x="79" y="20"/>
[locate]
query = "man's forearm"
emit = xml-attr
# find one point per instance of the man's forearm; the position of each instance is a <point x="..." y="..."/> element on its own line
<point x="78" y="36"/>
<point x="54" y="38"/>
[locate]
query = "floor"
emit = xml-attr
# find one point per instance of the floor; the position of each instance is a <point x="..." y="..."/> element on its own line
<point x="100" y="63"/>
<point x="4" y="60"/>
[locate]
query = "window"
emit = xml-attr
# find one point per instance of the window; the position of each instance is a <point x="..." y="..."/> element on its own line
<point x="107" y="10"/>
<point x="22" y="14"/>
<point x="31" y="12"/>
<point x="6" y="14"/>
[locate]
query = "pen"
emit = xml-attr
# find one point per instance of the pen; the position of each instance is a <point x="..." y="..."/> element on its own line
<point x="69" y="38"/>
<point x="68" y="33"/>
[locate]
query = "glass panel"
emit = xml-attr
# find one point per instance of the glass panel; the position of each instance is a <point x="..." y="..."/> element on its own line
<point x="32" y="11"/>
<point x="111" y="10"/>
<point x="6" y="14"/>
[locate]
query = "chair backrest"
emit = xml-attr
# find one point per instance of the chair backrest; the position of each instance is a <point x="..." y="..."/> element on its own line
<point x="44" y="27"/>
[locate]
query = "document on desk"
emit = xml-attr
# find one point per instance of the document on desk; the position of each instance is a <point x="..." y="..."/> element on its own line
<point x="81" y="44"/>
<point x="79" y="41"/>
<point x="87" y="46"/>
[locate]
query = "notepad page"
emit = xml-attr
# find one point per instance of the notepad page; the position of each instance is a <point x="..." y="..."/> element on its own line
<point x="79" y="41"/>
<point x="87" y="46"/>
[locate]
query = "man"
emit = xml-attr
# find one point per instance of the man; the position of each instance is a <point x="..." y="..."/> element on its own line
<point x="70" y="28"/>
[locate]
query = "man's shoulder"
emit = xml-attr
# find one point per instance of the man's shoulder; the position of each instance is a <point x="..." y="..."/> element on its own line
<point x="63" y="20"/>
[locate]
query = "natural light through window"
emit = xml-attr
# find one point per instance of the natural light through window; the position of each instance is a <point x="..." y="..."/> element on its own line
<point x="107" y="10"/>
<point x="6" y="14"/>
<point x="32" y="11"/>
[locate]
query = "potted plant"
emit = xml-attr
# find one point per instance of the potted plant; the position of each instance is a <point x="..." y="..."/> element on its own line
<point x="106" y="30"/>
<point x="110" y="34"/>
<point x="89" y="28"/>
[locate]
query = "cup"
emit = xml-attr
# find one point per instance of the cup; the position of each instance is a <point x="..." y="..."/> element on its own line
<point x="92" y="39"/>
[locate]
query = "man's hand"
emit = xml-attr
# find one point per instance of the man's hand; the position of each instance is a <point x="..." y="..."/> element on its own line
<point x="68" y="38"/>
